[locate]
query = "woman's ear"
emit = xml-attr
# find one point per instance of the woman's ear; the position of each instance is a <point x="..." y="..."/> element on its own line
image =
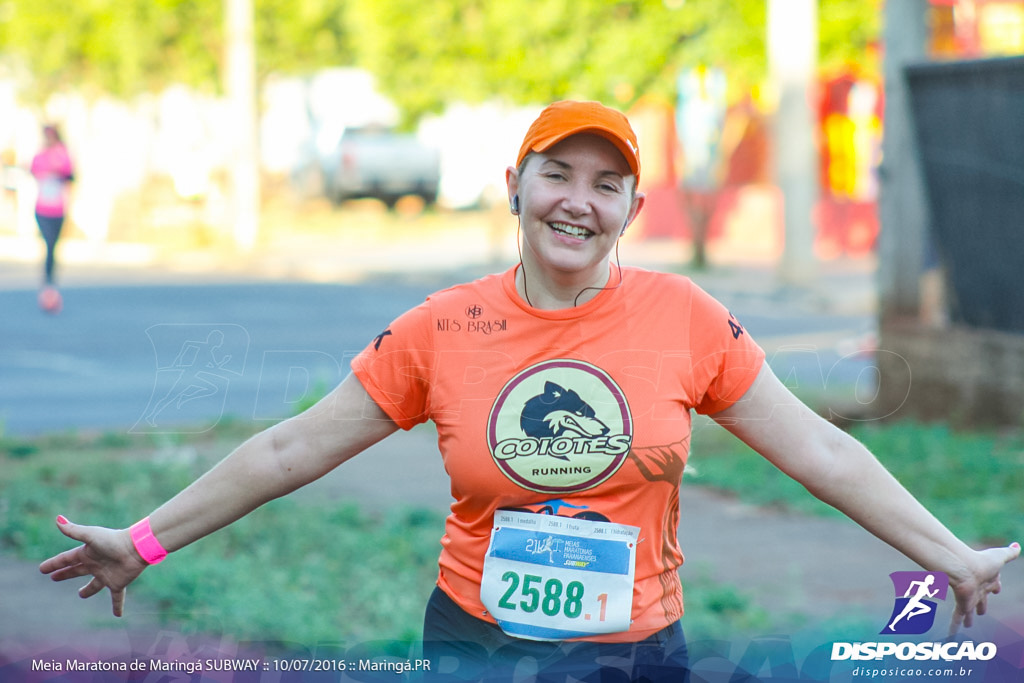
<point x="634" y="211"/>
<point x="512" y="182"/>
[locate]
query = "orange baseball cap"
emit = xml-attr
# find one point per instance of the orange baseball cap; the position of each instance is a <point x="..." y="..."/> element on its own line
<point x="562" y="119"/>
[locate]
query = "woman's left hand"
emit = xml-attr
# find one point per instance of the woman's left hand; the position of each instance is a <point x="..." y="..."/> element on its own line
<point x="107" y="556"/>
<point x="972" y="590"/>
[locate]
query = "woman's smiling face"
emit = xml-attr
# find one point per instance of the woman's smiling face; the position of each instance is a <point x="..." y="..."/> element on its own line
<point x="575" y="199"/>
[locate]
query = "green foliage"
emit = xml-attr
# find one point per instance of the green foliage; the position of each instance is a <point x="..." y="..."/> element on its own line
<point x="299" y="37"/>
<point x="116" y="47"/>
<point x="80" y="485"/>
<point x="290" y="571"/>
<point x="424" y="55"/>
<point x="720" y="611"/>
<point x="969" y="480"/>
<point x="17" y="448"/>
<point x="537" y="52"/>
<point x="304" y="574"/>
<point x="611" y="50"/>
<point x="126" y="48"/>
<point x="104" y="478"/>
<point x="845" y="29"/>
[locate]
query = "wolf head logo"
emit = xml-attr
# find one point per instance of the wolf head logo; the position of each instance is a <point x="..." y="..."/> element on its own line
<point x="548" y="438"/>
<point x="560" y="412"/>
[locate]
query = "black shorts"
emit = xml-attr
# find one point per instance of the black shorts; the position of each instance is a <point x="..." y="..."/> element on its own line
<point x="461" y="647"/>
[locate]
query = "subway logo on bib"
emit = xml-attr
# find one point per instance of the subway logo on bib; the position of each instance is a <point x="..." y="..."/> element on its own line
<point x="560" y="426"/>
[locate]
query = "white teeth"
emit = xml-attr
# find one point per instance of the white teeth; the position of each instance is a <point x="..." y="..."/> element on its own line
<point x="571" y="230"/>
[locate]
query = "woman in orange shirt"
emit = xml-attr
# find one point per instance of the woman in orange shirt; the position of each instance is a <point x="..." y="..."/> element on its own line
<point x="567" y="444"/>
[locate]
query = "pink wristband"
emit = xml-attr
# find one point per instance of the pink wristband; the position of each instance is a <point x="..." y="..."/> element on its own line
<point x="145" y="542"/>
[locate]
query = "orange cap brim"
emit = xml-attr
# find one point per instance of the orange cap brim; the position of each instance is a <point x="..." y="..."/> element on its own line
<point x="565" y="119"/>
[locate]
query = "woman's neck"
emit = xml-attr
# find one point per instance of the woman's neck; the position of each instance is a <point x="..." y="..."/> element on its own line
<point x="554" y="291"/>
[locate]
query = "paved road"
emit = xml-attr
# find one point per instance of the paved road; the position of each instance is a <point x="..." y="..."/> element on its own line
<point x="254" y="350"/>
<point x="162" y="351"/>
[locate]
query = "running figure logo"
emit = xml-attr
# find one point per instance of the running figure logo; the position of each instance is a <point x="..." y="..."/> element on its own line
<point x="914" y="610"/>
<point x="195" y="365"/>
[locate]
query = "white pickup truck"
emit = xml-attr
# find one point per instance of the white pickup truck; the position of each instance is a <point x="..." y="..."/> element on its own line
<point x="379" y="163"/>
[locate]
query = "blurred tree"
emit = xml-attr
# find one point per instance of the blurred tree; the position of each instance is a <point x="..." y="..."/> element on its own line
<point x="424" y="54"/>
<point x="125" y="47"/>
<point x="117" y="46"/>
<point x="613" y="50"/>
<point x="845" y="29"/>
<point x="299" y="36"/>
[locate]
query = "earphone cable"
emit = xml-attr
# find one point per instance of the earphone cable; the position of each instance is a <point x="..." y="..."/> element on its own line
<point x="575" y="302"/>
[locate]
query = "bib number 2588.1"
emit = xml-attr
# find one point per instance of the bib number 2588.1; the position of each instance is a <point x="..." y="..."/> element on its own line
<point x="551" y="578"/>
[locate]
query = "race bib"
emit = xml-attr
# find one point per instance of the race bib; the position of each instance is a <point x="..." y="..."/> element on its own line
<point x="51" y="189"/>
<point x="551" y="578"/>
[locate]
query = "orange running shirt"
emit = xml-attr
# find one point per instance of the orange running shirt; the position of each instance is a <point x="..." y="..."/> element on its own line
<point x="578" y="412"/>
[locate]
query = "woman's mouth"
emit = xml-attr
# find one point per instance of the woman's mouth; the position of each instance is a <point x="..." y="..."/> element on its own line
<point x="572" y="231"/>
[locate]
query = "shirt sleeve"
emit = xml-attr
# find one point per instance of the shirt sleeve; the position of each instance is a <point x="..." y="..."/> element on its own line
<point x="37" y="169"/>
<point x="55" y="162"/>
<point x="726" y="361"/>
<point x="65" y="168"/>
<point x="396" y="367"/>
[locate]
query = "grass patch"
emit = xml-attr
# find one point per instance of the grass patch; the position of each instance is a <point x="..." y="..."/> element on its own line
<point x="718" y="611"/>
<point x="969" y="480"/>
<point x="290" y="571"/>
<point x="303" y="574"/>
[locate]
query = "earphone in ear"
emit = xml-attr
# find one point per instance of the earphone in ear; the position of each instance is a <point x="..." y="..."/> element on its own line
<point x="515" y="205"/>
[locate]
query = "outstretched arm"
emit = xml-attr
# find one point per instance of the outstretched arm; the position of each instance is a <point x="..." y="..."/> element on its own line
<point x="269" y="465"/>
<point x="840" y="471"/>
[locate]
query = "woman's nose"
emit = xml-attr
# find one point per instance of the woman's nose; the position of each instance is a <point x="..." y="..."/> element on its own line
<point x="577" y="199"/>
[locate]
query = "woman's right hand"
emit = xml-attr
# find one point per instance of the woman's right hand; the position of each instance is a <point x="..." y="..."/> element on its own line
<point x="107" y="555"/>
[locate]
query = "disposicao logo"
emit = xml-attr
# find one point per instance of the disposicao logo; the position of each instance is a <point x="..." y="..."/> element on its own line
<point x="913" y="613"/>
<point x="916" y="593"/>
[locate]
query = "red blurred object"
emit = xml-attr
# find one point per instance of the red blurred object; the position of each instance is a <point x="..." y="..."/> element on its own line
<point x="50" y="300"/>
